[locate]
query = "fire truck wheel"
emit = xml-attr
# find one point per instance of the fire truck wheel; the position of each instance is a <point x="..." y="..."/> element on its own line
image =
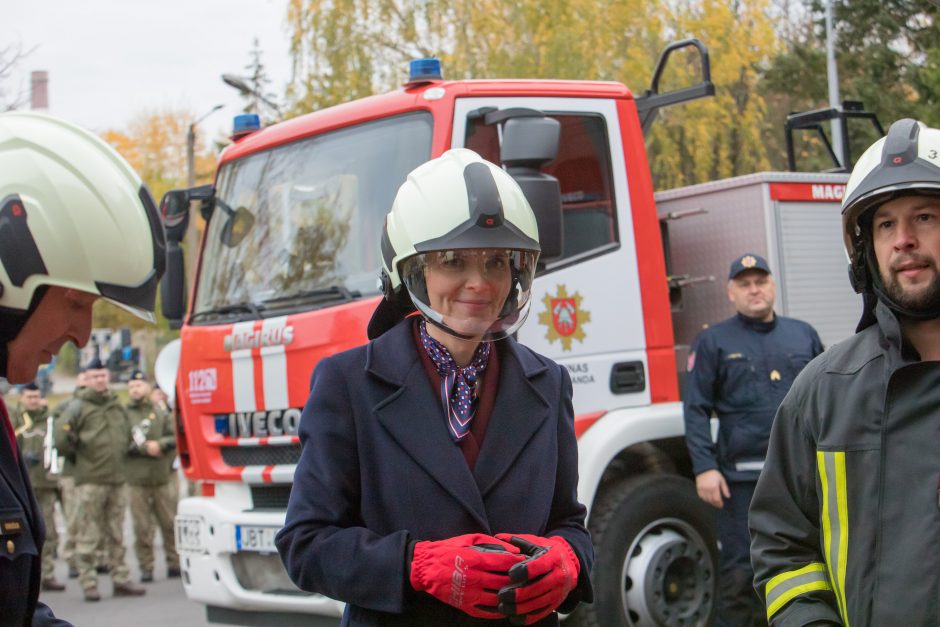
<point x="656" y="559"/>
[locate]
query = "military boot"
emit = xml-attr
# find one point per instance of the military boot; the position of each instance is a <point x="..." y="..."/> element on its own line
<point x="128" y="590"/>
<point x="91" y="594"/>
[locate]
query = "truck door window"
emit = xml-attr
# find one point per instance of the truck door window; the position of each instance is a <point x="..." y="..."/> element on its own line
<point x="318" y="206"/>
<point x="583" y="170"/>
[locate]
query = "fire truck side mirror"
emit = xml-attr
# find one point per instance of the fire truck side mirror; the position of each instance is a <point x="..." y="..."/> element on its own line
<point x="528" y="144"/>
<point x="174" y="209"/>
<point x="173" y="286"/>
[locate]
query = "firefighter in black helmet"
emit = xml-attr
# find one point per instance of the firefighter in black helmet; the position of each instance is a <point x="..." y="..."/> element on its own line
<point x="845" y="516"/>
<point x="443" y="444"/>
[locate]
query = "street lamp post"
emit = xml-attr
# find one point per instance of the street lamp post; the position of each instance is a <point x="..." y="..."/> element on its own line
<point x="239" y="83"/>
<point x="191" y="147"/>
<point x="191" y="239"/>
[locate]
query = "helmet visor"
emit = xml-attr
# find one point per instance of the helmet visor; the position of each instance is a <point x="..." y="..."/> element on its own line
<point x="476" y="293"/>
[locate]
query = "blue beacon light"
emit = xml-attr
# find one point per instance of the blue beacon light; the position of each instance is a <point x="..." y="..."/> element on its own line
<point x="423" y="71"/>
<point x="245" y="123"/>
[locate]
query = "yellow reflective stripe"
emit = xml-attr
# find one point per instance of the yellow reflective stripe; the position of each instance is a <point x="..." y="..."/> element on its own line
<point x="789" y="595"/>
<point x="842" y="500"/>
<point x="835" y="522"/>
<point x="781" y="589"/>
<point x="782" y="577"/>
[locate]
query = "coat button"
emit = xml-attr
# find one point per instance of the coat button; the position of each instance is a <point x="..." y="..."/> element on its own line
<point x="10" y="546"/>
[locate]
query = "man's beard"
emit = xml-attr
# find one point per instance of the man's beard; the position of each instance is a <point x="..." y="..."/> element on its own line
<point x="924" y="301"/>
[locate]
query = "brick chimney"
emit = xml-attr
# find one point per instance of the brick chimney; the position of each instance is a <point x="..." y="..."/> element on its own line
<point x="39" y="90"/>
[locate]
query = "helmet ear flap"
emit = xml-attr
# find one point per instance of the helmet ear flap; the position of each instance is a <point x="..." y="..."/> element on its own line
<point x="859" y="277"/>
<point x="385" y="284"/>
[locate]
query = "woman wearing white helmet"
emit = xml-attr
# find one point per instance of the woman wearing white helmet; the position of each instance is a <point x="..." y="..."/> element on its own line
<point x="438" y="479"/>
<point x="76" y="224"/>
<point x="847" y="499"/>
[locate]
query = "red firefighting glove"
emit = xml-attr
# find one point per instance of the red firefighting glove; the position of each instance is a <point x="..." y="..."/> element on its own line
<point x="466" y="572"/>
<point x="540" y="583"/>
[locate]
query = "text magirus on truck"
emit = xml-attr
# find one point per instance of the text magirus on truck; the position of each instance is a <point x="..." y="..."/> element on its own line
<point x="286" y="276"/>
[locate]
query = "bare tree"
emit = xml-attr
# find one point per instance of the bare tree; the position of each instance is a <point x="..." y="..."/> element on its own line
<point x="12" y="96"/>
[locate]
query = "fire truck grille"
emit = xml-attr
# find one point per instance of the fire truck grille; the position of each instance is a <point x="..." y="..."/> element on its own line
<point x="270" y="496"/>
<point x="261" y="455"/>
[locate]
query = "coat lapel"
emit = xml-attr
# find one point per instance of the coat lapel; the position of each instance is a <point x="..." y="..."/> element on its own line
<point x="519" y="412"/>
<point x="13" y="471"/>
<point x="413" y="417"/>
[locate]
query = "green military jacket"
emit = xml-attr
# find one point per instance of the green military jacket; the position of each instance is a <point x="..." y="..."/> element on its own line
<point x="66" y="462"/>
<point x="149" y="423"/>
<point x="30" y="430"/>
<point x="97" y="432"/>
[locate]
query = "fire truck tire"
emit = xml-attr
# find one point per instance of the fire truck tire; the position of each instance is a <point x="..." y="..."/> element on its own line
<point x="656" y="556"/>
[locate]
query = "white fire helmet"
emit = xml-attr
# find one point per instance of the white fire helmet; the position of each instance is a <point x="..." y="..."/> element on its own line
<point x="73" y="214"/>
<point x="461" y="241"/>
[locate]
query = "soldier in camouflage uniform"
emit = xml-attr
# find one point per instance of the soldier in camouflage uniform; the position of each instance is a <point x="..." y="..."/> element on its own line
<point x="96" y="431"/>
<point x="150" y="477"/>
<point x="30" y="424"/>
<point x="67" y="483"/>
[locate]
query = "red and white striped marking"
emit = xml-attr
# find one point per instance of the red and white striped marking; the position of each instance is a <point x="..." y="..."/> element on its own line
<point x="273" y="440"/>
<point x="282" y="473"/>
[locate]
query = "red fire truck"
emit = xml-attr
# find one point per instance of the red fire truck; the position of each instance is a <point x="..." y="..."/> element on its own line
<point x="287" y="275"/>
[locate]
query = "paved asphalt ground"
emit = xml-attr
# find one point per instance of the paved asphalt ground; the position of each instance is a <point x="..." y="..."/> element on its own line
<point x="165" y="603"/>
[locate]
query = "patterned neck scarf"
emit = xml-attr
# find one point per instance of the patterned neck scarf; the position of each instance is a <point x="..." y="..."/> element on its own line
<point x="458" y="384"/>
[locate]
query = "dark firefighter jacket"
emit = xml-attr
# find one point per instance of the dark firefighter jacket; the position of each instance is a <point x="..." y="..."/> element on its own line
<point x="379" y="469"/>
<point x="22" y="533"/>
<point x="741" y="369"/>
<point x="845" y="522"/>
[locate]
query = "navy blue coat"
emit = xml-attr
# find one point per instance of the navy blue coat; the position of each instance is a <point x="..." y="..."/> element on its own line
<point x="741" y="369"/>
<point x="379" y="470"/>
<point x="22" y="529"/>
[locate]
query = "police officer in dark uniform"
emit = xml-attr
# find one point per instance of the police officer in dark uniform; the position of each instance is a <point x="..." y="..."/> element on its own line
<point x="76" y="224"/>
<point x="740" y="370"/>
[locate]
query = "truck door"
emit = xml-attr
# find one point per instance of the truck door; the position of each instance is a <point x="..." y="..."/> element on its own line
<point x="586" y="308"/>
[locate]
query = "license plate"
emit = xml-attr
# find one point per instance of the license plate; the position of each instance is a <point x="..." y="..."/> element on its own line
<point x="189" y="534"/>
<point x="260" y="539"/>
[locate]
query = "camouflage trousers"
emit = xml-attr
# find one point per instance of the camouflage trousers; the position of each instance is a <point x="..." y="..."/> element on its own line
<point x="100" y="517"/>
<point x="46" y="497"/>
<point x="151" y="504"/>
<point x="69" y="511"/>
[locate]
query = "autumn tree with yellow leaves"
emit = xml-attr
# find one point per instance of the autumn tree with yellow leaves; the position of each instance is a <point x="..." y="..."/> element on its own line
<point x="346" y="50"/>
<point x="154" y="144"/>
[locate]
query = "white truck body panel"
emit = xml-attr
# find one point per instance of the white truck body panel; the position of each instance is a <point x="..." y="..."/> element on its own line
<point x="801" y="241"/>
<point x="211" y="577"/>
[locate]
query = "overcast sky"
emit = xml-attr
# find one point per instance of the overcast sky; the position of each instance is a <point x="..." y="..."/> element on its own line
<point x="109" y="60"/>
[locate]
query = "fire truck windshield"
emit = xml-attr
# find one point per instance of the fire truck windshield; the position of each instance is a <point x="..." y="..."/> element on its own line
<point x="304" y="219"/>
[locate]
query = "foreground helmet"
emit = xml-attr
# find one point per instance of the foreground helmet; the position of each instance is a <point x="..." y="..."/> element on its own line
<point x="458" y="209"/>
<point x="73" y="214"/>
<point x="905" y="162"/>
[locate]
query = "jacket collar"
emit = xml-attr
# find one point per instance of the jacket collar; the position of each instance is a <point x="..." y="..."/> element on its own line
<point x="883" y="339"/>
<point x="386" y="354"/>
<point x="757" y="325"/>
<point x="412" y="415"/>
<point x="12" y="468"/>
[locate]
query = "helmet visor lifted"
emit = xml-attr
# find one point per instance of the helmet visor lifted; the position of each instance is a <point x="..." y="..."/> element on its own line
<point x="472" y="293"/>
